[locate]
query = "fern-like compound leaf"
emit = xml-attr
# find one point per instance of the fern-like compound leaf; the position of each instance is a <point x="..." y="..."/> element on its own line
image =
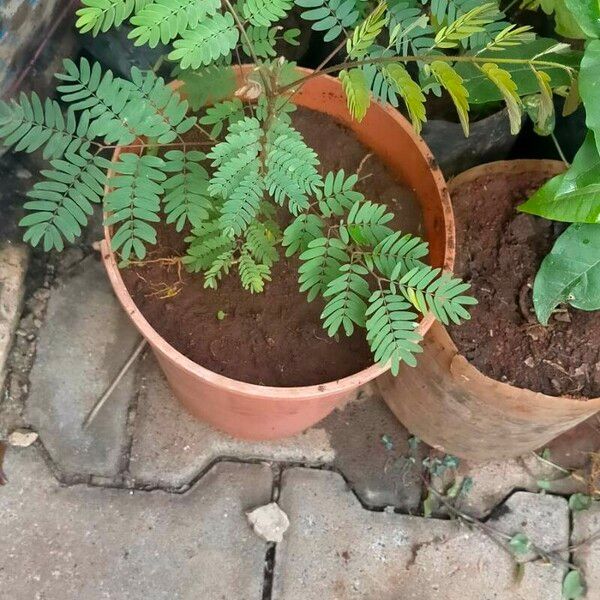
<point x="101" y="15"/>
<point x="468" y="24"/>
<point x="213" y="38"/>
<point x="187" y="199"/>
<point x="322" y="261"/>
<point x="391" y="330"/>
<point x="163" y="20"/>
<point x="253" y="275"/>
<point x="346" y="306"/>
<point x="429" y="290"/>
<point x="62" y="202"/>
<point x="134" y="203"/>
<point x="208" y="244"/>
<point x="265" y="12"/>
<point x="221" y="113"/>
<point x="355" y="87"/>
<point x="338" y="194"/>
<point x="503" y="80"/>
<point x="305" y="228"/>
<point x="28" y="125"/>
<point x="399" y="249"/>
<point x="242" y="204"/>
<point x="263" y="40"/>
<point x="207" y="85"/>
<point x="366" y="33"/>
<point x="449" y="79"/>
<point x="291" y="173"/>
<point x="330" y="16"/>
<point x="261" y="241"/>
<point x="410" y="91"/>
<point x="366" y="224"/>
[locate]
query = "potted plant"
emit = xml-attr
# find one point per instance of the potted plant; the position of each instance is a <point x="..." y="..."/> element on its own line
<point x="534" y="372"/>
<point x="235" y="186"/>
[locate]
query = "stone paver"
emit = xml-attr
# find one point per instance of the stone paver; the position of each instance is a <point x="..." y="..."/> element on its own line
<point x="170" y="447"/>
<point x="74" y="543"/>
<point x="586" y="524"/>
<point x="335" y="549"/>
<point x="13" y="266"/>
<point x="85" y="340"/>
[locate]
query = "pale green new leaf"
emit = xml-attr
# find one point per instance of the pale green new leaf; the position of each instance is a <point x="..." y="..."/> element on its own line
<point x="365" y="35"/>
<point x="452" y="82"/>
<point x="503" y="80"/>
<point x="357" y="92"/>
<point x="410" y="91"/>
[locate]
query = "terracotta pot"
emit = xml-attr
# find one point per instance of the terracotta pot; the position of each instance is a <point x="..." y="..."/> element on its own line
<point x="452" y="406"/>
<point x="261" y="412"/>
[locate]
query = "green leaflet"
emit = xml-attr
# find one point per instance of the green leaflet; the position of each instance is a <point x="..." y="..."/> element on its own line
<point x="134" y="202"/>
<point x="573" y="587"/>
<point x="163" y="20"/>
<point x="570" y="273"/>
<point x="366" y="33"/>
<point x="253" y="275"/>
<point x="357" y="92"/>
<point x="573" y="197"/>
<point x="101" y="15"/>
<point x="589" y="78"/>
<point x="449" y="79"/>
<point x="305" y="228"/>
<point x="263" y="13"/>
<point x="502" y="79"/>
<point x="207" y="85"/>
<point x="213" y="38"/>
<point x="410" y="91"/>
<point x="330" y="16"/>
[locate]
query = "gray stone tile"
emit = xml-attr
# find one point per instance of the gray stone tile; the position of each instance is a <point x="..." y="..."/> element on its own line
<point x="586" y="523"/>
<point x="170" y="447"/>
<point x="85" y="340"/>
<point x="78" y="542"/>
<point x="13" y="267"/>
<point x="335" y="549"/>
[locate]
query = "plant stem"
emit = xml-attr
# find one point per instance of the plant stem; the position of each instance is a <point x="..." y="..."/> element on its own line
<point x="560" y="150"/>
<point x="331" y="55"/>
<point x="425" y="59"/>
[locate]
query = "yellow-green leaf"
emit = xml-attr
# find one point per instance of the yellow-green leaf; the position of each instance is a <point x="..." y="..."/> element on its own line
<point x="357" y="92"/>
<point x="546" y="107"/>
<point x="573" y="99"/>
<point x="473" y="21"/>
<point x="366" y="33"/>
<point x="452" y="82"/>
<point x="503" y="80"/>
<point x="410" y="91"/>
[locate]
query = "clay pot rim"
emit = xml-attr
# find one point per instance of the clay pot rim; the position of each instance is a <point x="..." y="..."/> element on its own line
<point x="460" y="366"/>
<point x="298" y="393"/>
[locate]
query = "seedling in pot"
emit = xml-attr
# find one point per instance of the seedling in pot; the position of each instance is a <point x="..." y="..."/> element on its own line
<point x="227" y="190"/>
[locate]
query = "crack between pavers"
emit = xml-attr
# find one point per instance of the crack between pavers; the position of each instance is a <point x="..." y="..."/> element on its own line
<point x="271" y="551"/>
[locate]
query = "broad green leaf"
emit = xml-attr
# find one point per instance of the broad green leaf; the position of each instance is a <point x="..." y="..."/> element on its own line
<point x="579" y="502"/>
<point x="482" y="90"/>
<point x="573" y="586"/>
<point x="573" y="197"/>
<point x="589" y="86"/>
<point x="570" y="273"/>
<point x="587" y="15"/>
<point x="565" y="23"/>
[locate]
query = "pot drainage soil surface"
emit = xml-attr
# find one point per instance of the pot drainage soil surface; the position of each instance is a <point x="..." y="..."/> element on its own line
<point x="274" y="338"/>
<point x="499" y="252"/>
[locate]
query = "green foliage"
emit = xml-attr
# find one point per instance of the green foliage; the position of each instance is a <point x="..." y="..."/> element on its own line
<point x="264" y="13"/>
<point x="186" y="199"/>
<point x="101" y="15"/>
<point x="466" y="25"/>
<point x="134" y="202"/>
<point x="253" y="275"/>
<point x="208" y="245"/>
<point x="579" y="502"/>
<point x="161" y="21"/>
<point x="337" y="195"/>
<point x="411" y="93"/>
<point x="304" y="229"/>
<point x="262" y="39"/>
<point x="291" y="173"/>
<point x="357" y="92"/>
<point x="503" y="80"/>
<point x="221" y="113"/>
<point x="366" y="224"/>
<point x="62" y="202"/>
<point x="207" y="85"/>
<point x="399" y="249"/>
<point x="449" y="79"/>
<point x="242" y="205"/>
<point x="520" y="544"/>
<point x="330" y="16"/>
<point x="213" y="38"/>
<point x="566" y="24"/>
<point x="570" y="273"/>
<point x="366" y="33"/>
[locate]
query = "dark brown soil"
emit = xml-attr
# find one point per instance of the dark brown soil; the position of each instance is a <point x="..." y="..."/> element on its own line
<point x="274" y="338"/>
<point x="499" y="252"/>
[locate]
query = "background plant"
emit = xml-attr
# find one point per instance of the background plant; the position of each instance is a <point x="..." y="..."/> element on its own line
<point x="571" y="272"/>
<point x="227" y="189"/>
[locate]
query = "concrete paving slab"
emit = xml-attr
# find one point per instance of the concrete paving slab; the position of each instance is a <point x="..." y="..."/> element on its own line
<point x="586" y="524"/>
<point x="84" y="341"/>
<point x="337" y="550"/>
<point x="79" y="542"/>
